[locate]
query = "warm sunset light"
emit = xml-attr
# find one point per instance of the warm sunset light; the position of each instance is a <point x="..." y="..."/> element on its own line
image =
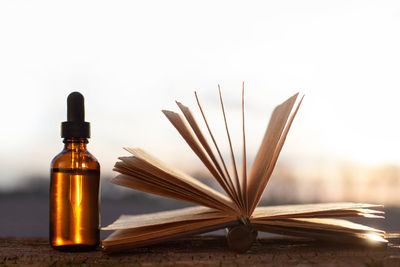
<point x="345" y="63"/>
<point x="193" y="133"/>
<point x="77" y="207"/>
<point x="131" y="60"/>
<point x="374" y="237"/>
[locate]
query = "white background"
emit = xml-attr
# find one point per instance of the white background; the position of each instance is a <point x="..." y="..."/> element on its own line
<point x="131" y="59"/>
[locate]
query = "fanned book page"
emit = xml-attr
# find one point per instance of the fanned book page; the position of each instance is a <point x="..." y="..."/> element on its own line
<point x="237" y="205"/>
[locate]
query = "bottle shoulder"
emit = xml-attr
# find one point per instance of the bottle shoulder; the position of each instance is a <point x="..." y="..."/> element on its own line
<point x="68" y="159"/>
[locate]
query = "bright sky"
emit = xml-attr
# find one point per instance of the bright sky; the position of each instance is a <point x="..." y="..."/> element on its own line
<point x="131" y="59"/>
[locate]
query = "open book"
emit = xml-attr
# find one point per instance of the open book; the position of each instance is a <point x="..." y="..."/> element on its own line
<point x="236" y="208"/>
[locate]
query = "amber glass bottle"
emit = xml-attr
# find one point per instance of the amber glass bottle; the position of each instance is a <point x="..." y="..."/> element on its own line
<point x="74" y="186"/>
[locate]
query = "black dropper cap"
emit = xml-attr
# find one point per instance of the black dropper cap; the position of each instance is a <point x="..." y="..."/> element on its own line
<point x="75" y="126"/>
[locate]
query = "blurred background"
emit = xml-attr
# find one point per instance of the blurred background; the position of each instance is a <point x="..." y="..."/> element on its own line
<point x="130" y="59"/>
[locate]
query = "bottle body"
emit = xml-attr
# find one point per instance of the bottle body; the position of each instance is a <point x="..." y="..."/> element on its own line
<point x="74" y="198"/>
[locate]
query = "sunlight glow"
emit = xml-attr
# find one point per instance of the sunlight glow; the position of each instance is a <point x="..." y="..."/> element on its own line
<point x="343" y="55"/>
<point x="375" y="237"/>
<point x="78" y="208"/>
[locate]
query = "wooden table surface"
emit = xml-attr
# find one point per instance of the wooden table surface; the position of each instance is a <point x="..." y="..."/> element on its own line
<point x="205" y="251"/>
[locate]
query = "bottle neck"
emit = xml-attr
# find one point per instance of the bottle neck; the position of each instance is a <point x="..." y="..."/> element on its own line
<point x="77" y="144"/>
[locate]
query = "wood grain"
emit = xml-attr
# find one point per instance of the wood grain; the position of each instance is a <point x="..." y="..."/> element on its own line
<point x="205" y="251"/>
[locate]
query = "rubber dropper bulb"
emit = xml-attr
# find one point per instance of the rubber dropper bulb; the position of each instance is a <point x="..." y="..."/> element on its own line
<point x="75" y="107"/>
<point x="75" y="126"/>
